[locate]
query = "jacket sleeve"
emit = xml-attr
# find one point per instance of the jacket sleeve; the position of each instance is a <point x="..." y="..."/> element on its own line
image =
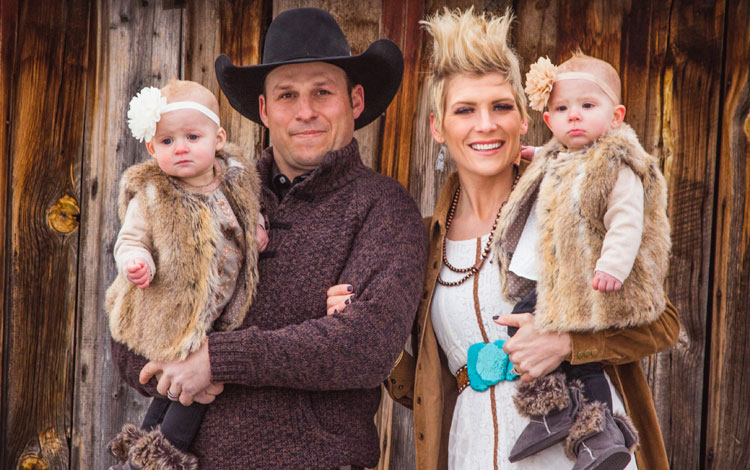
<point x="357" y="347"/>
<point x="134" y="240"/>
<point x="400" y="382"/>
<point x="619" y="346"/>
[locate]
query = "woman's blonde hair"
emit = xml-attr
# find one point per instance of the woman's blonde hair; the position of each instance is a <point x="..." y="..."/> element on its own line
<point x="471" y="43"/>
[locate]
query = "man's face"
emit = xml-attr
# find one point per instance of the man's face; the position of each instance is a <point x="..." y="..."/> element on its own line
<point x="309" y="112"/>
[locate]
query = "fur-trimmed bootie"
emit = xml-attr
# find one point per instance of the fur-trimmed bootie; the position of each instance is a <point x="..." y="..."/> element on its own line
<point x="551" y="406"/>
<point x="120" y="445"/>
<point x="600" y="441"/>
<point x="155" y="452"/>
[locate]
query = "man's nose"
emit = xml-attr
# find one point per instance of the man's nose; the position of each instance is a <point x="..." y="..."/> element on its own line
<point x="305" y="109"/>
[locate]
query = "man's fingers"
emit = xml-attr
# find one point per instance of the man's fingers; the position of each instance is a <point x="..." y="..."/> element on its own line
<point x="149" y="370"/>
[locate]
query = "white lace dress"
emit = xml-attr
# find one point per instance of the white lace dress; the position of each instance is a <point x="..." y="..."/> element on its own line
<point x="472" y="434"/>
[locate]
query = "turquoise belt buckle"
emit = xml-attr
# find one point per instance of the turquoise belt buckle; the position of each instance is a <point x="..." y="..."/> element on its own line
<point x="487" y="364"/>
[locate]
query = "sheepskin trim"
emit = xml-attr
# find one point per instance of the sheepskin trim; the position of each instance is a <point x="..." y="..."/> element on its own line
<point x="120" y="445"/>
<point x="589" y="421"/>
<point x="542" y="396"/>
<point x="628" y="430"/>
<point x="155" y="452"/>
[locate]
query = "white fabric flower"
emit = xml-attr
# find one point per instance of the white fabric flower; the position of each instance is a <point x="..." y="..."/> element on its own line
<point x="539" y="83"/>
<point x="144" y="112"/>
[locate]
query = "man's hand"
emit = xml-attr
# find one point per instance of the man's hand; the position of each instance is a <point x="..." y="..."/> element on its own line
<point x="189" y="379"/>
<point x="339" y="296"/>
<point x="138" y="272"/>
<point x="603" y="282"/>
<point x="533" y="354"/>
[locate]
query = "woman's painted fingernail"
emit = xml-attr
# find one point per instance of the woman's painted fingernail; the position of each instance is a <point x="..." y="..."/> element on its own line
<point x="347" y="301"/>
<point x="335" y="311"/>
<point x="349" y="288"/>
<point x="495" y="317"/>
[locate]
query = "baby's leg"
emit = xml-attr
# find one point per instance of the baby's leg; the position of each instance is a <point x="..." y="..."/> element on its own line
<point x="155" y="413"/>
<point x="181" y="423"/>
<point x="595" y="385"/>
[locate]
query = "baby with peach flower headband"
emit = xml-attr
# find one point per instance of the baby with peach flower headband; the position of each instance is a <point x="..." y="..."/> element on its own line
<point x="597" y="248"/>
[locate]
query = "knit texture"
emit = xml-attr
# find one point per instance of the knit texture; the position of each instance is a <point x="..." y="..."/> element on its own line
<point x="302" y="387"/>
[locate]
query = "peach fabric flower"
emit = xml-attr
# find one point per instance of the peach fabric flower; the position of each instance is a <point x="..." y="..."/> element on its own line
<point x="539" y="83"/>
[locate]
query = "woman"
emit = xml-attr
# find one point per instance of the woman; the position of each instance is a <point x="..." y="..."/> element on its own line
<point x="479" y="114"/>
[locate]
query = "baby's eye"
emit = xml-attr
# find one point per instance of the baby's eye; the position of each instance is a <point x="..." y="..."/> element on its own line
<point x="588" y="105"/>
<point x="166" y="141"/>
<point x="192" y="137"/>
<point x="561" y="108"/>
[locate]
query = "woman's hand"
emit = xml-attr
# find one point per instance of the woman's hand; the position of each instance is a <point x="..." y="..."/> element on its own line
<point x="339" y="296"/>
<point x="532" y="353"/>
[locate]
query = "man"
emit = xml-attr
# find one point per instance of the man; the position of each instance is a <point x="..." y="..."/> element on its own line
<point x="301" y="387"/>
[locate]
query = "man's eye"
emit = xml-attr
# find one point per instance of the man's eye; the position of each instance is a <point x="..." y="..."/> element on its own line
<point x="285" y="96"/>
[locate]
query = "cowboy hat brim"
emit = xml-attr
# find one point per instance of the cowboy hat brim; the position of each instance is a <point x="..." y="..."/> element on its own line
<point x="379" y="70"/>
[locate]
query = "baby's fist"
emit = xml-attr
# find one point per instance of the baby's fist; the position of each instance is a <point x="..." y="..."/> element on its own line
<point x="603" y="282"/>
<point x="138" y="272"/>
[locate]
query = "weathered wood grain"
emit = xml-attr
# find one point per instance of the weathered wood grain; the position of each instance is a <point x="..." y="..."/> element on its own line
<point x="46" y="135"/>
<point x="233" y="28"/>
<point x="727" y="429"/>
<point x="361" y="27"/>
<point x="138" y="44"/>
<point x="8" y="16"/>
<point x="401" y="25"/>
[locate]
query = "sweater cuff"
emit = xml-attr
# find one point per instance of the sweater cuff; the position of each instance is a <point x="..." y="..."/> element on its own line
<point x="229" y="358"/>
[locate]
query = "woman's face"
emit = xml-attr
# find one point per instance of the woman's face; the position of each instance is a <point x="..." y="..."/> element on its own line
<point x="482" y="126"/>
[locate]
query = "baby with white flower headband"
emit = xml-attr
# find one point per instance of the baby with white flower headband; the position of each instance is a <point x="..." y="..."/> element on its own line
<point x="186" y="254"/>
<point x="599" y="251"/>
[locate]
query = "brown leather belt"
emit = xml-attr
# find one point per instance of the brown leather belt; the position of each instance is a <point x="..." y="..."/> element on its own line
<point x="462" y="378"/>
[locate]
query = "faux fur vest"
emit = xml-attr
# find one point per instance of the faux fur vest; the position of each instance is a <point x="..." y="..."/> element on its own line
<point x="571" y="203"/>
<point x="172" y="316"/>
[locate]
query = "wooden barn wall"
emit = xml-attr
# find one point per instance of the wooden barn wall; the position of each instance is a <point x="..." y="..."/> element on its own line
<point x="69" y="68"/>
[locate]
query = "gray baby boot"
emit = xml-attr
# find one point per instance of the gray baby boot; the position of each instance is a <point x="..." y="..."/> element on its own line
<point x="600" y="441"/>
<point x="551" y="406"/>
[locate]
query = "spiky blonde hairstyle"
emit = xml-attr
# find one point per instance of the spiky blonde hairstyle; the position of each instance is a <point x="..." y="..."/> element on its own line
<point x="471" y="43"/>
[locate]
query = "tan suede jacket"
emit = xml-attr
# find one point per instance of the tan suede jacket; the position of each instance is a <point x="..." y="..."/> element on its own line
<point x="427" y="386"/>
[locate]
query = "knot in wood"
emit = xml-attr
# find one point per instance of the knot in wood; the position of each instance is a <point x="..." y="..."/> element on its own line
<point x="64" y="216"/>
<point x="32" y="462"/>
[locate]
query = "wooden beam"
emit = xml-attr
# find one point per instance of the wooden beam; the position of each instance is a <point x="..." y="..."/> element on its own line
<point x="137" y="45"/>
<point x="46" y="135"/>
<point x="727" y="430"/>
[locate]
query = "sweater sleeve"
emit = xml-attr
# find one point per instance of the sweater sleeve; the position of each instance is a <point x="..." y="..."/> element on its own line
<point x="624" y="223"/>
<point x="133" y="240"/>
<point x="619" y="346"/>
<point x="355" y="348"/>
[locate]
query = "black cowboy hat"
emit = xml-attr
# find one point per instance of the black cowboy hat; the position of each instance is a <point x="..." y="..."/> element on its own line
<point x="312" y="35"/>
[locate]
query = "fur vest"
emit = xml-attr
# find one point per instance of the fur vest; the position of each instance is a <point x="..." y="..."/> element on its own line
<point x="571" y="203"/>
<point x="172" y="316"/>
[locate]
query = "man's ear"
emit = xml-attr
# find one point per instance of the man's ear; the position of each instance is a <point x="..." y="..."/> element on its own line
<point x="358" y="100"/>
<point x="436" y="133"/>
<point x="150" y="147"/>
<point x="221" y="138"/>
<point x="262" y="109"/>
<point x="619" y="116"/>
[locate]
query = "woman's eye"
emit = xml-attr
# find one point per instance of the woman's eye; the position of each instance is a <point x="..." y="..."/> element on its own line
<point x="504" y="107"/>
<point x="463" y="110"/>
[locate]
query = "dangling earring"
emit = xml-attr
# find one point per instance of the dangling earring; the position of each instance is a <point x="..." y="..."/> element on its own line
<point x="440" y="162"/>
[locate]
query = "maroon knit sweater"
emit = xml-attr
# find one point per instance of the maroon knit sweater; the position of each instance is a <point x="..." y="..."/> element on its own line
<point x="302" y="387"/>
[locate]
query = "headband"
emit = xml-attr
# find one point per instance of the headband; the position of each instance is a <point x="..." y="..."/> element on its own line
<point x="543" y="75"/>
<point x="147" y="106"/>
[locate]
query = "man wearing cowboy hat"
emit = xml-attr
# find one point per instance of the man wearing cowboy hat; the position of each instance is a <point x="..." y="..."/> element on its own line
<point x="302" y="387"/>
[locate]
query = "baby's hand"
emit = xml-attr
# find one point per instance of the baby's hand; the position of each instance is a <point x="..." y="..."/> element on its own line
<point x="262" y="236"/>
<point x="138" y="272"/>
<point x="339" y="296"/>
<point x="603" y="282"/>
<point x="527" y="152"/>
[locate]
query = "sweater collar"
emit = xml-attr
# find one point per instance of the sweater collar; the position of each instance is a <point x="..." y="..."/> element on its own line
<point x="336" y="169"/>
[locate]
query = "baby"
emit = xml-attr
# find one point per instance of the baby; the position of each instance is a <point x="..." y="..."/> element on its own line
<point x="186" y="254"/>
<point x="600" y="221"/>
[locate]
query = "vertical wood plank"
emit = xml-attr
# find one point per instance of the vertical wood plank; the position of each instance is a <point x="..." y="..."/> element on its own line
<point x="137" y="45"/>
<point x="49" y="73"/>
<point x="727" y="430"/>
<point x="401" y="25"/>
<point x="233" y="28"/>
<point x="361" y="27"/>
<point x="8" y="19"/>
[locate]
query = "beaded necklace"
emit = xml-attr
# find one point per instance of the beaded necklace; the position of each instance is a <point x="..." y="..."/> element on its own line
<point x="471" y="270"/>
